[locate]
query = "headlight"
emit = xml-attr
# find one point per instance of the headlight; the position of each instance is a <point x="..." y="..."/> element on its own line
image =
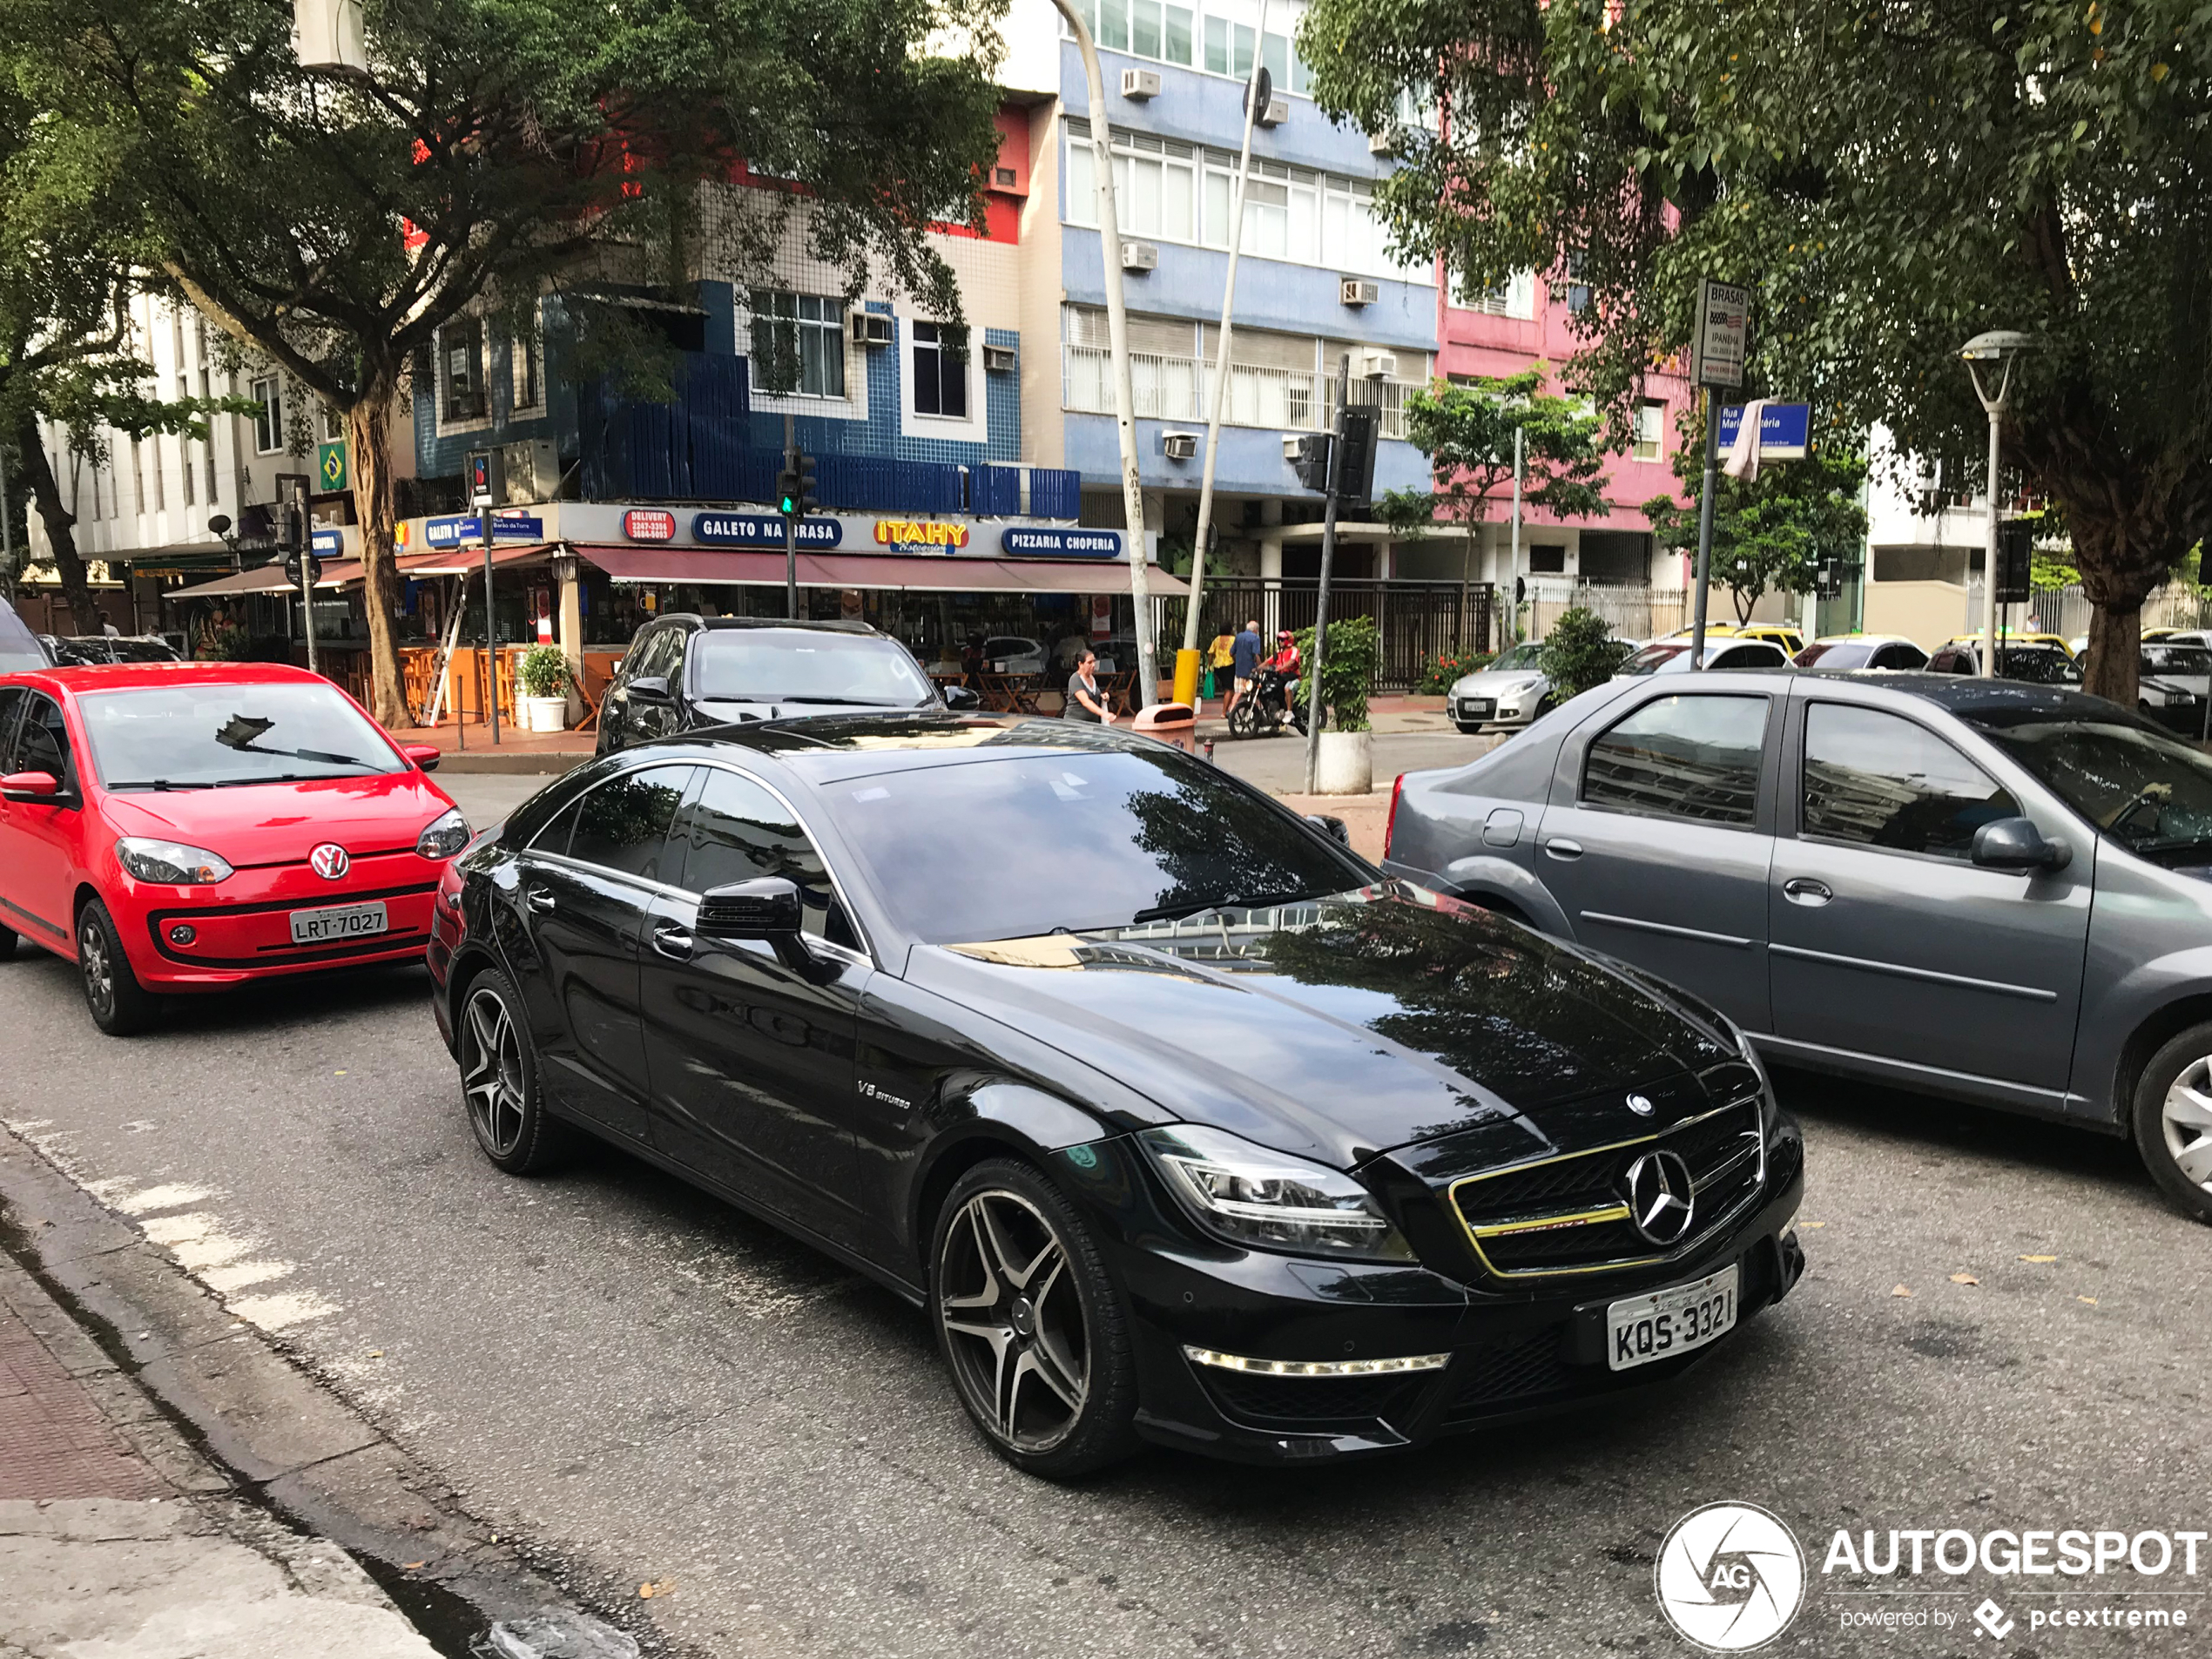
<point x="171" y="863"/>
<point x="1251" y="1196"/>
<point x="446" y="836"/>
<point x="1518" y="686"/>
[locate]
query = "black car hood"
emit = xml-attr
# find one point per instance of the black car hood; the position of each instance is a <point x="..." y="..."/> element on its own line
<point x="1342" y="1029"/>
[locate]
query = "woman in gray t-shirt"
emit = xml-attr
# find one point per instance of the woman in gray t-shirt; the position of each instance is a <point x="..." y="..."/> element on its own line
<point x="1085" y="701"/>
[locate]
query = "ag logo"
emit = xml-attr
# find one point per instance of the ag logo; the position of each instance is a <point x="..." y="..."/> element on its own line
<point x="1730" y="1577"/>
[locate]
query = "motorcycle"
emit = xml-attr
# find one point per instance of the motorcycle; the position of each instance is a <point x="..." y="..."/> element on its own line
<point x="1260" y="715"/>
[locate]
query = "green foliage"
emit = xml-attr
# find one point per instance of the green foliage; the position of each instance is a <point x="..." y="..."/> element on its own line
<point x="2048" y="573"/>
<point x="1348" y="668"/>
<point x="1467" y="431"/>
<point x="1580" y="652"/>
<point x="543" y="671"/>
<point x="1772" y="532"/>
<point x="1890" y="183"/>
<point x="1436" y="677"/>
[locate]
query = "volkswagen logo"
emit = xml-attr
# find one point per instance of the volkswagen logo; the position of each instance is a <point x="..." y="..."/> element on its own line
<point x="1639" y="1104"/>
<point x="1660" y="1196"/>
<point x="329" y="861"/>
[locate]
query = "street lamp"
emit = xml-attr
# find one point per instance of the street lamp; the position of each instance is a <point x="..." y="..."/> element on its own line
<point x="1999" y="348"/>
<point x="220" y="525"/>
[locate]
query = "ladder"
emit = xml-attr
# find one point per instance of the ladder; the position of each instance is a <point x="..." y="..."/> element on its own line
<point x="440" y="663"/>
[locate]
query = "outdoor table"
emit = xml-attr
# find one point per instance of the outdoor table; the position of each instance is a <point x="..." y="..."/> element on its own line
<point x="1009" y="694"/>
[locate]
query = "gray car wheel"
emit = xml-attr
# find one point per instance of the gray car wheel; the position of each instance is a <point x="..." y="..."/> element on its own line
<point x="499" y="1080"/>
<point x="2172" y="1112"/>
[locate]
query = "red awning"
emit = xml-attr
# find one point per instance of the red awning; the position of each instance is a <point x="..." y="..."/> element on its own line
<point x="716" y="568"/>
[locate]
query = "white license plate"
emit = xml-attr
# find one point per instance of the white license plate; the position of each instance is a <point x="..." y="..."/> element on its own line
<point x="1640" y="1329"/>
<point x="1478" y="708"/>
<point x="337" y="921"/>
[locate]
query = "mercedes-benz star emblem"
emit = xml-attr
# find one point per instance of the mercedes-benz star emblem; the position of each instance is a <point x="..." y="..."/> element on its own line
<point x="1639" y="1104"/>
<point x="329" y="861"/>
<point x="1660" y="1196"/>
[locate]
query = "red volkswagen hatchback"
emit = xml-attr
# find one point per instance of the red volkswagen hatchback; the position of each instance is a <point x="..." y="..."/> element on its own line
<point x="185" y="827"/>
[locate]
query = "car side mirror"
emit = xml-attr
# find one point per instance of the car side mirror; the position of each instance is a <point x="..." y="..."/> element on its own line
<point x="425" y="756"/>
<point x="765" y="908"/>
<point x="2016" y="844"/>
<point x="1331" y="826"/>
<point x="649" y="688"/>
<point x="30" y="785"/>
<point x="961" y="698"/>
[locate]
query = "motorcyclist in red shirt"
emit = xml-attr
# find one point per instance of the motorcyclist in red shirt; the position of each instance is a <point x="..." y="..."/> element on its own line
<point x="1284" y="665"/>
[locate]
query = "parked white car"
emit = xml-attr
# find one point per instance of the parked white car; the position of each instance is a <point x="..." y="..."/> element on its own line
<point x="1013" y="654"/>
<point x="1508" y="692"/>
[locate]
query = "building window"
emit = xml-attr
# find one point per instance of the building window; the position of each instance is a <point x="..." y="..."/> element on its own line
<point x="1515" y="297"/>
<point x="798" y="344"/>
<point x="1578" y="291"/>
<point x="460" y="353"/>
<point x="330" y="425"/>
<point x="1651" y="432"/>
<point x="940" y="375"/>
<point x="184" y="466"/>
<point x="268" y="420"/>
<point x="526" y="365"/>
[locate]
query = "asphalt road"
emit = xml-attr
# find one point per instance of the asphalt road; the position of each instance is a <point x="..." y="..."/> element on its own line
<point x="657" y="1389"/>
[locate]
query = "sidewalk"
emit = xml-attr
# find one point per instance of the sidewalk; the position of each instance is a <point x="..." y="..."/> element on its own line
<point x="118" y="1538"/>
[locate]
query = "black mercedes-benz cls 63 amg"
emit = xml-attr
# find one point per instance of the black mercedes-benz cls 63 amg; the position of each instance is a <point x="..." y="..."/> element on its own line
<point x="1183" y="1122"/>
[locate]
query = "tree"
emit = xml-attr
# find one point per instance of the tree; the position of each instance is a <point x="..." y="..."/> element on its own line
<point x="1467" y="431"/>
<point x="495" y="152"/>
<point x="1580" y="652"/>
<point x="1772" y="532"/>
<point x="1891" y="181"/>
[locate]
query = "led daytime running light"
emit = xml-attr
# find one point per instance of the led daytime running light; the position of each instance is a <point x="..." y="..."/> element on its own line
<point x="1317" y="1367"/>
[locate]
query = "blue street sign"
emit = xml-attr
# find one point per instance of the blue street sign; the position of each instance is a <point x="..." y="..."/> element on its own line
<point x="1061" y="544"/>
<point x="1783" y="428"/>
<point x="763" y="529"/>
<point x="505" y="527"/>
<point x="329" y="544"/>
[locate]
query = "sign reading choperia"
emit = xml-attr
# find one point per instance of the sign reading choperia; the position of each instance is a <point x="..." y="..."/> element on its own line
<point x="762" y="529"/>
<point x="919" y="532"/>
<point x="1061" y="544"/>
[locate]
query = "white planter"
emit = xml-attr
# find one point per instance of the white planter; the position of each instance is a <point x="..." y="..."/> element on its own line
<point x="1346" y="763"/>
<point x="545" y="713"/>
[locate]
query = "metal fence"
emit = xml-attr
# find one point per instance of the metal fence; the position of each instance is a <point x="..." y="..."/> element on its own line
<point x="1416" y="622"/>
<point x="2065" y="611"/>
<point x="1633" y="610"/>
<point x="1174" y="388"/>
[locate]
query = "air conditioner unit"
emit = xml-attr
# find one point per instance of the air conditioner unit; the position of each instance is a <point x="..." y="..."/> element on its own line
<point x="999" y="360"/>
<point x="1383" y="142"/>
<point x="1179" y="446"/>
<point x="1377" y="366"/>
<point x="867" y="327"/>
<point x="533" y="472"/>
<point x="1273" y="113"/>
<point x="1140" y="84"/>
<point x="1140" y="256"/>
<point x="1358" y="291"/>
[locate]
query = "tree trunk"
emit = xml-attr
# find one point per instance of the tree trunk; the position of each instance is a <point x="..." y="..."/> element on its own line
<point x="2114" y="655"/>
<point x="368" y="461"/>
<point x="60" y="522"/>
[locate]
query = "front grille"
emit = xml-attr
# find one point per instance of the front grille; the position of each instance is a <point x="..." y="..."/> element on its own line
<point x="1255" y="1396"/>
<point x="1567" y="1214"/>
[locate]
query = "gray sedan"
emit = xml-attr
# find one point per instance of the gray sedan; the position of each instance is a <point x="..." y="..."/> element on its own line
<point x="1994" y="891"/>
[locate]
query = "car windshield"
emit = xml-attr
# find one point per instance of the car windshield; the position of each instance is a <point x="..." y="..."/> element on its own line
<point x="1836" y="653"/>
<point x="1039" y="844"/>
<point x="1650" y="660"/>
<point x="2177" y="660"/>
<point x="213" y="736"/>
<point x="2037" y="665"/>
<point x="1524" y="656"/>
<point x="2149" y="792"/>
<point x="802" y="665"/>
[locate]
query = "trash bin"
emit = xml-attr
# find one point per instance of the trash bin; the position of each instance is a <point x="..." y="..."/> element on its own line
<point x="1174" y="723"/>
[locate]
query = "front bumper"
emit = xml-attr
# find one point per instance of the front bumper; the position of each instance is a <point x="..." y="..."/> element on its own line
<point x="240" y="930"/>
<point x="1510" y="1353"/>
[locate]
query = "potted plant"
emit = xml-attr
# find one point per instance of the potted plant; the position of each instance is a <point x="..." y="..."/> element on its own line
<point x="1346" y="762"/>
<point x="543" y="672"/>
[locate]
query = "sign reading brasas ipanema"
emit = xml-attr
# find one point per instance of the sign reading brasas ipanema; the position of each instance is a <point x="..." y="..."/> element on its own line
<point x="762" y="529"/>
<point x="1724" y="331"/>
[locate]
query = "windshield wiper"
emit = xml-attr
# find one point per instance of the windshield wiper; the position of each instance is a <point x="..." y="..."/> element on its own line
<point x="854" y="702"/>
<point x="1264" y="901"/>
<point x="163" y="784"/>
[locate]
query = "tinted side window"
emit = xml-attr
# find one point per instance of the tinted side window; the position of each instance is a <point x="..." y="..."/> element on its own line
<point x="11" y="705"/>
<point x="648" y="656"/>
<point x="736" y="831"/>
<point x="42" y="744"/>
<point x="554" y="837"/>
<point x="1882" y="781"/>
<point x="1682" y="756"/>
<point x="623" y="824"/>
<point x="1900" y="657"/>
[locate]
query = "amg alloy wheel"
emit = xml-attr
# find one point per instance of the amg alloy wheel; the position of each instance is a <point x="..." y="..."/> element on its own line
<point x="499" y="1080"/>
<point x="2174" y="1120"/>
<point x="1031" y="1324"/>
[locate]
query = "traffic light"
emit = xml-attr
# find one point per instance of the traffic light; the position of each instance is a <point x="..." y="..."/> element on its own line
<point x="787" y="493"/>
<point x="1309" y="458"/>
<point x="809" y="496"/>
<point x="2015" y="561"/>
<point x="1356" y="475"/>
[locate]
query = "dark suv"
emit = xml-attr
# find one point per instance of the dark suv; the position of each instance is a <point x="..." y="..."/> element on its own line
<point x="683" y="672"/>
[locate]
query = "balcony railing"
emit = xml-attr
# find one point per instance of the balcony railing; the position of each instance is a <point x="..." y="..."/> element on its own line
<point x="1176" y="389"/>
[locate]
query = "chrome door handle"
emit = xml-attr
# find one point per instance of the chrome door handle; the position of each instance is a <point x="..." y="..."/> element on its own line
<point x="538" y="900"/>
<point x="1559" y="847"/>
<point x="673" y="940"/>
<point x="1802" y="889"/>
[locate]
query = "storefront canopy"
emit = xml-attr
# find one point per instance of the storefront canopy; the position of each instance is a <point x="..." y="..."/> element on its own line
<point x="269" y="579"/>
<point x="466" y="561"/>
<point x="881" y="572"/>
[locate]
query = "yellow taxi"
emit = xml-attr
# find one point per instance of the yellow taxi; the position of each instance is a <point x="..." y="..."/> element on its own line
<point x="1790" y="639"/>
<point x="2013" y="637"/>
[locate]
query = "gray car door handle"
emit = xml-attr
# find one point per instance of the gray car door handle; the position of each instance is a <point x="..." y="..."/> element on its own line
<point x="1559" y="847"/>
<point x="673" y="940"/>
<point x="1802" y="889"/>
<point x="538" y="900"/>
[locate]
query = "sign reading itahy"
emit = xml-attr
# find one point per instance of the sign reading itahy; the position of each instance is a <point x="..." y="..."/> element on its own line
<point x="920" y="533"/>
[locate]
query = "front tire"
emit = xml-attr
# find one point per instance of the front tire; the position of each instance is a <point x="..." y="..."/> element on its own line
<point x="8" y="937"/>
<point x="119" y="1005"/>
<point x="499" y="1080"/>
<point x="1032" y="1324"/>
<point x="2173" y="1120"/>
<point x="1242" y="719"/>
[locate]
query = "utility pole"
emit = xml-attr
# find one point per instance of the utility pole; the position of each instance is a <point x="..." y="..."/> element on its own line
<point x="1718" y="349"/>
<point x="1258" y="91"/>
<point x="299" y="543"/>
<point x="1109" y="238"/>
<point x="787" y="502"/>
<point x="1520" y="467"/>
<point x="1705" y="525"/>
<point x="1313" y="711"/>
<point x="482" y="471"/>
